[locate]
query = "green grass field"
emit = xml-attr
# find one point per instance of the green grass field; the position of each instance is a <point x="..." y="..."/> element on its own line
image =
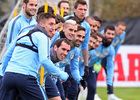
<point x="126" y="93"/>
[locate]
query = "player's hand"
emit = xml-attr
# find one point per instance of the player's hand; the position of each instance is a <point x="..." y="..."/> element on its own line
<point x="86" y="71"/>
<point x="68" y="82"/>
<point x="83" y="83"/>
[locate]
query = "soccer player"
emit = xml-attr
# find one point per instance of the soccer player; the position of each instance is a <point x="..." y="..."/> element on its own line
<point x="64" y="4"/>
<point x="28" y="54"/>
<point x="94" y="42"/>
<point x="70" y="32"/>
<point x="22" y="20"/>
<point x="58" y="52"/>
<point x="80" y="10"/>
<point x="116" y="43"/>
<point x="106" y="50"/>
<point x="95" y="23"/>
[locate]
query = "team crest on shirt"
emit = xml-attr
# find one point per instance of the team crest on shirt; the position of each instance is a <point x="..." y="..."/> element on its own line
<point x="89" y="56"/>
<point x="72" y="55"/>
<point x="106" y="52"/>
<point x="118" y="40"/>
<point x="81" y="59"/>
<point x="122" y="40"/>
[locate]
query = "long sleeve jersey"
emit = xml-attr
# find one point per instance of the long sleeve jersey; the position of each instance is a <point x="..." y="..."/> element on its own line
<point x="72" y="58"/>
<point x="84" y="24"/>
<point x="16" y="24"/>
<point x="100" y="53"/>
<point x="26" y="61"/>
<point x="117" y="41"/>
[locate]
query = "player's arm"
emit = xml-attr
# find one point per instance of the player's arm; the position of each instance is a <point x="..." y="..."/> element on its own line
<point x="74" y="67"/>
<point x="44" y="57"/>
<point x="110" y="66"/>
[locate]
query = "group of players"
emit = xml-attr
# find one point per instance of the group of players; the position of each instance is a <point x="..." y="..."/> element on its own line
<point x="68" y="55"/>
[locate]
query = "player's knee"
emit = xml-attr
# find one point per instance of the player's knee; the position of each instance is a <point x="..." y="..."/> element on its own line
<point x="91" y="88"/>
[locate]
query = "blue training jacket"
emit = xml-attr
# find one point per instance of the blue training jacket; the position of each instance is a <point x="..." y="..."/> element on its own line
<point x="100" y="53"/>
<point x="27" y="62"/>
<point x="72" y="59"/>
<point x="84" y="24"/>
<point x="117" y="41"/>
<point x="16" y="24"/>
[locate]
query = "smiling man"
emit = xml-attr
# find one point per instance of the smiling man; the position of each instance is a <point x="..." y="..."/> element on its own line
<point x="26" y="59"/>
<point x="80" y="10"/>
<point x="22" y="20"/>
<point x="64" y="4"/>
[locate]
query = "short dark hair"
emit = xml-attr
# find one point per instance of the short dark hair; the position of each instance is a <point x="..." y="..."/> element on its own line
<point x="87" y="17"/>
<point x="98" y="34"/>
<point x="59" y="41"/>
<point x="25" y="1"/>
<point x="93" y="36"/>
<point x="79" y="28"/>
<point x="110" y="27"/>
<point x="59" y="19"/>
<point x="41" y="10"/>
<point x="97" y="19"/>
<point x="63" y="1"/>
<point x="82" y="2"/>
<point x="43" y="16"/>
<point x="75" y="19"/>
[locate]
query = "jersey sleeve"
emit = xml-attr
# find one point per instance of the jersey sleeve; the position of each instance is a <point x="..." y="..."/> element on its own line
<point x="44" y="58"/>
<point x="122" y="38"/>
<point x="84" y="45"/>
<point x="13" y="30"/>
<point x="74" y="67"/>
<point x="8" y="54"/>
<point x="110" y="66"/>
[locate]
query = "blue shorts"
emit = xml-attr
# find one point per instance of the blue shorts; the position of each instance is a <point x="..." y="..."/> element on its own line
<point x="51" y="88"/>
<point x="24" y="86"/>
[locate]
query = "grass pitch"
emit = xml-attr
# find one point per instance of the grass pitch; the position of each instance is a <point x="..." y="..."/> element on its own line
<point x="125" y="93"/>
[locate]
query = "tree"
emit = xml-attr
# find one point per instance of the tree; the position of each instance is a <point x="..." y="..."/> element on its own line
<point x="115" y="9"/>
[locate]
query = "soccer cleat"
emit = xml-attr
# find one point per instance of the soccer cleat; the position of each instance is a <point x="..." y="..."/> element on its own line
<point x="96" y="97"/>
<point x="113" y="97"/>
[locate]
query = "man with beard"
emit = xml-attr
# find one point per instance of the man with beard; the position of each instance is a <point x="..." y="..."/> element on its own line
<point x="22" y="20"/>
<point x="116" y="43"/>
<point x="69" y="31"/>
<point x="64" y="4"/>
<point x="105" y="49"/>
<point x="80" y="10"/>
<point x="71" y="88"/>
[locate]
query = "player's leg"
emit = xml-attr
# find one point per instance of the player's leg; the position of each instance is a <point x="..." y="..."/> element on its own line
<point x="61" y="89"/>
<point x="91" y="81"/>
<point x="97" y="68"/>
<point x="71" y="86"/>
<point x="51" y="89"/>
<point x="110" y="93"/>
<point x="29" y="88"/>
<point x="8" y="87"/>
